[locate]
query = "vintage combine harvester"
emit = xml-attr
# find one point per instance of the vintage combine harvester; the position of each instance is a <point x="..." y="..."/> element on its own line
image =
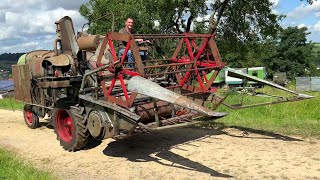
<point x="90" y="94"/>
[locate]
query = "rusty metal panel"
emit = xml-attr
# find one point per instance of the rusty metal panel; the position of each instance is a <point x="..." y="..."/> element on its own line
<point x="315" y="83"/>
<point x="118" y="36"/>
<point x="38" y="54"/>
<point x="137" y="57"/>
<point x="89" y="43"/>
<point x="35" y="66"/>
<point x="22" y="83"/>
<point x="61" y="60"/>
<point x="303" y="84"/>
<point x="147" y="111"/>
<point x="68" y="39"/>
<point x="54" y="84"/>
<point x="18" y="93"/>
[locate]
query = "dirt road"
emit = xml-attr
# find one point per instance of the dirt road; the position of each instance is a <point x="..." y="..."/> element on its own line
<point x="189" y="153"/>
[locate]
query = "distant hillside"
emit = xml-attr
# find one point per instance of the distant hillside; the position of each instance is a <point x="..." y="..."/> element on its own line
<point x="10" y="56"/>
<point x="6" y="60"/>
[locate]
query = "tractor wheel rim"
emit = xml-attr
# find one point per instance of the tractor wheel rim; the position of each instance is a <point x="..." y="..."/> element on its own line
<point x="64" y="125"/>
<point x="29" y="117"/>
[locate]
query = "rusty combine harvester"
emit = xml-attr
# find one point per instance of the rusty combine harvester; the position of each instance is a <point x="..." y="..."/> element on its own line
<point x="88" y="91"/>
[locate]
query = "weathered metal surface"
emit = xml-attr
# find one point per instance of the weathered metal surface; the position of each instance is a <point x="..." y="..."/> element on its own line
<point x="119" y="36"/>
<point x="147" y="112"/>
<point x="39" y="54"/>
<point x="95" y="123"/>
<point x="89" y="43"/>
<point x="173" y="72"/>
<point x="112" y="106"/>
<point x="215" y="63"/>
<point x="171" y="64"/>
<point x="107" y="92"/>
<point x="94" y="71"/>
<point x="54" y="84"/>
<point x="175" y="120"/>
<point x="68" y="39"/>
<point x="267" y="103"/>
<point x="22" y="83"/>
<point x="35" y="66"/>
<point x="137" y="57"/>
<point x="168" y="36"/>
<point x="280" y="78"/>
<point x="106" y="57"/>
<point x="169" y="126"/>
<point x="99" y="124"/>
<point x="179" y="121"/>
<point x="61" y="60"/>
<point x="143" y="86"/>
<point x="192" y="65"/>
<point x="34" y="61"/>
<point x="215" y="100"/>
<point x="234" y="73"/>
<point x="38" y="62"/>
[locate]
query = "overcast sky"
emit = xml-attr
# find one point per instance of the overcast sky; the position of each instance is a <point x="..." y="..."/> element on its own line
<point x="27" y="25"/>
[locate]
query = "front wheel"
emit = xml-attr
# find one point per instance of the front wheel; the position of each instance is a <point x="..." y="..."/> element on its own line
<point x="30" y="118"/>
<point x="70" y="129"/>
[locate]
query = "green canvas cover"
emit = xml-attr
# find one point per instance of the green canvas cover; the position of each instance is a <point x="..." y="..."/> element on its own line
<point x="22" y="60"/>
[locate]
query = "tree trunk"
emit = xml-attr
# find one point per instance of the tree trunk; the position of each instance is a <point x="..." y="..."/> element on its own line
<point x="214" y="23"/>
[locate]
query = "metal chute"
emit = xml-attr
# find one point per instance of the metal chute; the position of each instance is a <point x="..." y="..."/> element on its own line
<point x="146" y="87"/>
<point x="297" y="96"/>
<point x="237" y="74"/>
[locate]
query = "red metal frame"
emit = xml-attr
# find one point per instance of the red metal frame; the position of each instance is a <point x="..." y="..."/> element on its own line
<point x="191" y="62"/>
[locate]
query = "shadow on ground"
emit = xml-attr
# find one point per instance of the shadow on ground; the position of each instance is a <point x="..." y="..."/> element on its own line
<point x="245" y="132"/>
<point x="267" y="134"/>
<point x="140" y="147"/>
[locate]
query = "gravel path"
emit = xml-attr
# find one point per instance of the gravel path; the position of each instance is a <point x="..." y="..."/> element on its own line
<point x="188" y="153"/>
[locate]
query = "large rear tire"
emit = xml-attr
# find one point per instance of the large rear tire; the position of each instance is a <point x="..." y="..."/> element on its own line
<point x="30" y="118"/>
<point x="70" y="127"/>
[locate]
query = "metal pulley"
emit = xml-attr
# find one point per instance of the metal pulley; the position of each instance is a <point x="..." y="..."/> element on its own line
<point x="99" y="125"/>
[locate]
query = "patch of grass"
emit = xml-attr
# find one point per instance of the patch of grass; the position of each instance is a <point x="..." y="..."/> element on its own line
<point x="10" y="103"/>
<point x="12" y="168"/>
<point x="293" y="118"/>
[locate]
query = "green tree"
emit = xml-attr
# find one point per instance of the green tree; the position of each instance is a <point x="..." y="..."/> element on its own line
<point x="218" y="8"/>
<point x="173" y="16"/>
<point x="99" y="14"/>
<point x="242" y="22"/>
<point x="293" y="54"/>
<point x="244" y="28"/>
<point x="242" y="17"/>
